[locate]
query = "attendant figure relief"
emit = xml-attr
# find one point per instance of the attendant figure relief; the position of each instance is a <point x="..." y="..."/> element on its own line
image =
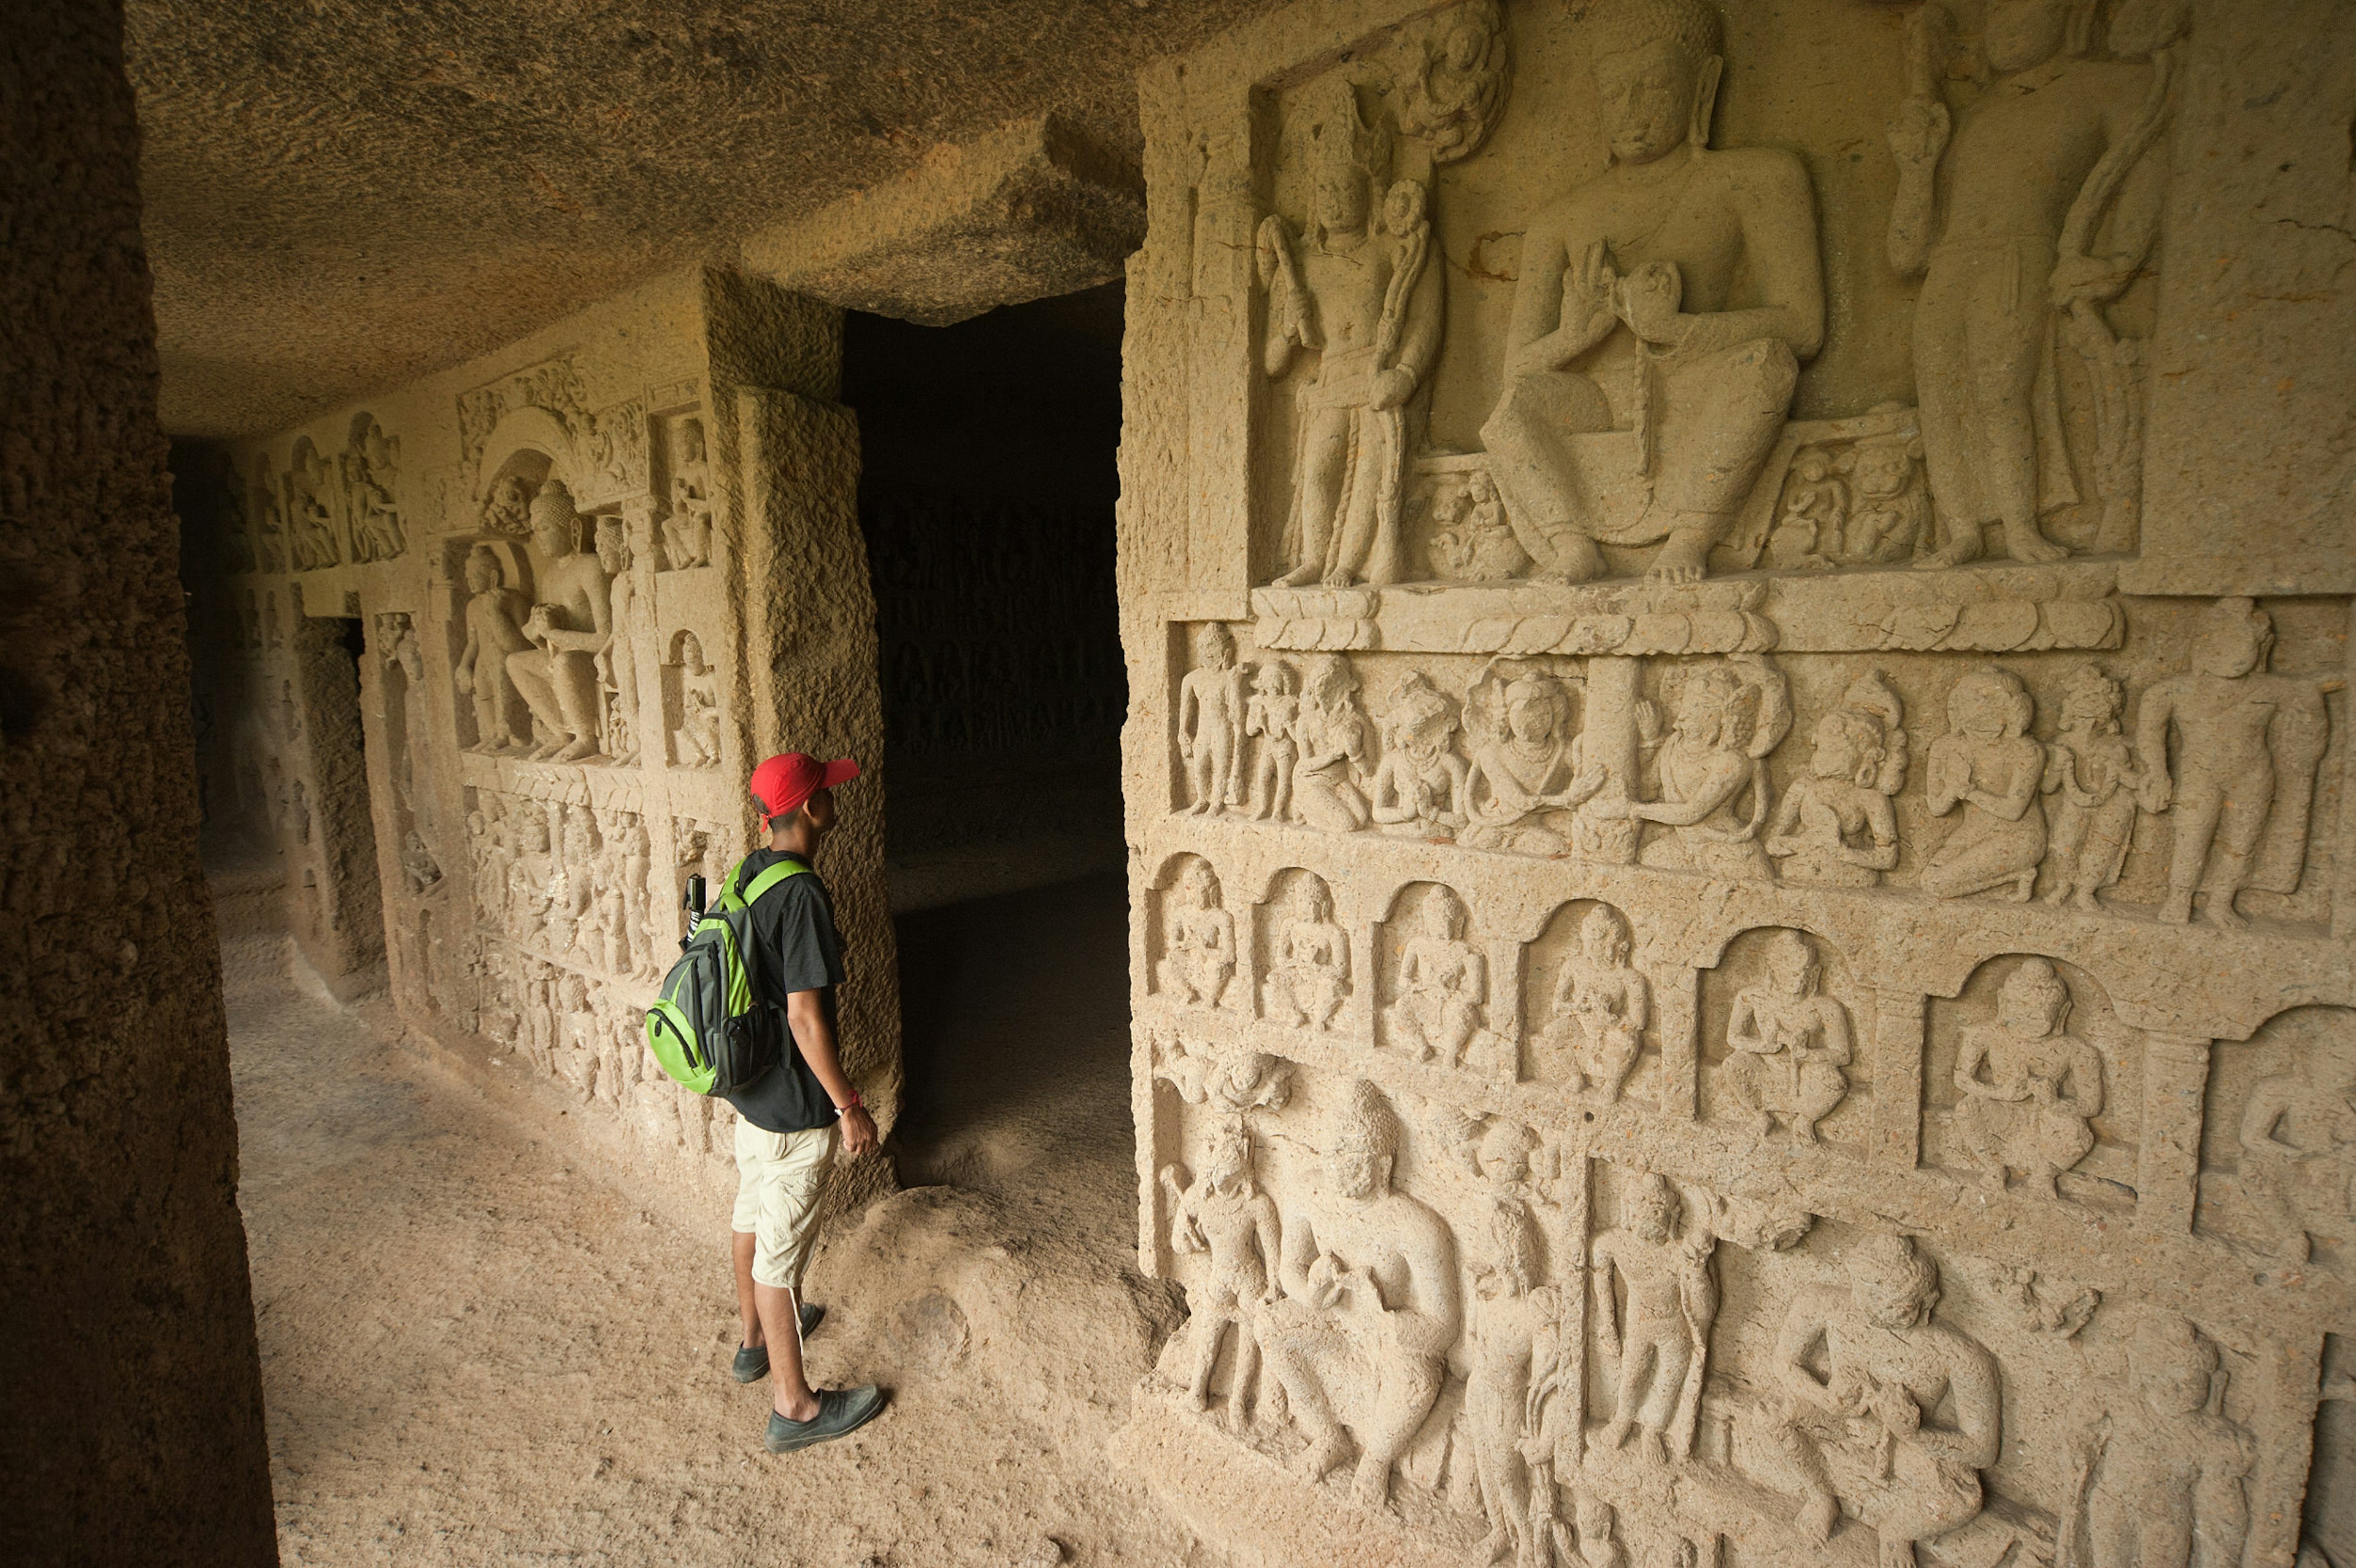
<point x="1655" y="1299"/>
<point x="1331" y="733"/>
<point x="617" y="661"/>
<point x="2242" y="784"/>
<point x="2094" y="782"/>
<point x="1269" y="713"/>
<point x="1790" y="1043"/>
<point x="1997" y="214"/>
<point x="1989" y="765"/>
<point x="1731" y="717"/>
<point x="1364" y="295"/>
<point x="1526" y="780"/>
<point x="696" y="741"/>
<point x="1905" y="1414"/>
<point x="1225" y="1216"/>
<point x="570" y="627"/>
<point x="1624" y="316"/>
<point x="1198" y="939"/>
<point x="1473" y="541"/>
<point x="1807" y="535"/>
<point x="1211" y="722"/>
<point x="1418" y="789"/>
<point x="1601" y="1007"/>
<point x="1308" y="960"/>
<point x="1514" y="1351"/>
<point x="1836" y="827"/>
<point x="687" y="529"/>
<point x="2161" y="1479"/>
<point x="1443" y="986"/>
<point x="1889" y="509"/>
<point x="1372" y="1305"/>
<point x="2030" y="1090"/>
<point x="2298" y="1147"/>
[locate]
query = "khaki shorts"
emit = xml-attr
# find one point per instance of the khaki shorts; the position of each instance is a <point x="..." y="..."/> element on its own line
<point x="777" y="1179"/>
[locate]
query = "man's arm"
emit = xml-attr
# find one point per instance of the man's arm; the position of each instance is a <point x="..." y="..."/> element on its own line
<point x="1779" y="239"/>
<point x="814" y="1038"/>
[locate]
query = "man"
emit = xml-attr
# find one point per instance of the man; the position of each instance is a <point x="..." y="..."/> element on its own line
<point x="1673" y="296"/>
<point x="791" y="1118"/>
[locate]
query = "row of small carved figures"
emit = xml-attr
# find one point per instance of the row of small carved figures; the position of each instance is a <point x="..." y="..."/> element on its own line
<point x="1281" y="744"/>
<point x="1870" y="1404"/>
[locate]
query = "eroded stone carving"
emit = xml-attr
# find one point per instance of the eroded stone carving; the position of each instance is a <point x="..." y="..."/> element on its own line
<point x="570" y="625"/>
<point x="1638" y="403"/>
<point x="1655" y="1301"/>
<point x="1211" y="722"/>
<point x="1790" y="1042"/>
<point x="1990" y="765"/>
<point x="1835" y="826"/>
<point x="1440" y="1004"/>
<point x="1198" y="939"/>
<point x="695" y="690"/>
<point x="1418" y="786"/>
<point x="2243" y="779"/>
<point x="2030" y="1088"/>
<point x="1731" y="717"/>
<point x="1526" y="782"/>
<point x="1308" y="959"/>
<point x="1330" y="732"/>
<point x="617" y="661"/>
<point x="1452" y="78"/>
<point x="687" y="527"/>
<point x="1906" y="1413"/>
<point x="2298" y="1147"/>
<point x="1358" y="288"/>
<point x="2095" y="784"/>
<point x="1269" y="713"/>
<point x="2159" y="1481"/>
<point x="1224" y="1215"/>
<point x="1372" y="1303"/>
<point x="1601" y="1007"/>
<point x="494" y="634"/>
<point x="371" y="471"/>
<point x="1514" y="1341"/>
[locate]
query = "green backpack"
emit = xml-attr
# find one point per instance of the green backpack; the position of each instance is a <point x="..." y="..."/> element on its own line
<point x="702" y="1029"/>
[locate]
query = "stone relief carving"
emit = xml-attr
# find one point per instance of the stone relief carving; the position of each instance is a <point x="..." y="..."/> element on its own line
<point x="2282" y="1142"/>
<point x="1330" y="733"/>
<point x="2030" y="1089"/>
<point x="1637" y="406"/>
<point x="2051" y="154"/>
<point x="1836" y="827"/>
<point x="1372" y="1303"/>
<point x="1224" y="1215"/>
<point x="1308" y="958"/>
<point x="495" y="617"/>
<point x="1790" y="1044"/>
<point x="1655" y="1301"/>
<point x="1729" y="717"/>
<point x="1991" y="767"/>
<point x="1440" y="992"/>
<point x="1198" y="939"/>
<point x="2241" y="778"/>
<point x="1417" y="788"/>
<point x="1452" y="75"/>
<point x="2160" y="1479"/>
<point x="1359" y="289"/>
<point x="312" y="497"/>
<point x="568" y="626"/>
<point x="369" y="468"/>
<point x="692" y="697"/>
<point x="1211" y="722"/>
<point x="630" y="618"/>
<point x="1270" y="714"/>
<point x="1598" y="1011"/>
<point x="2093" y="783"/>
<point x="687" y="525"/>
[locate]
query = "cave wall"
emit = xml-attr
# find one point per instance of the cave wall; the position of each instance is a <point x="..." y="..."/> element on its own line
<point x="1737" y="781"/>
<point x="131" y="1392"/>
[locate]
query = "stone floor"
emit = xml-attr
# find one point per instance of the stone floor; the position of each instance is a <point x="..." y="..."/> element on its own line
<point x="477" y="1349"/>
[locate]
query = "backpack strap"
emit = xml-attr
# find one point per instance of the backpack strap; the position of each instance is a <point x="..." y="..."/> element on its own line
<point x="766" y="880"/>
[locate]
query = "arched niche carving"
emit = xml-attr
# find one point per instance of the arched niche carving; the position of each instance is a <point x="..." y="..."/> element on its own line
<point x="1192" y="937"/>
<point x="2278" y="1140"/>
<point x="1784" y="1037"/>
<point x="1590" y="1021"/>
<point x="2061" y="1050"/>
<point x="1307" y="972"/>
<point x="535" y="431"/>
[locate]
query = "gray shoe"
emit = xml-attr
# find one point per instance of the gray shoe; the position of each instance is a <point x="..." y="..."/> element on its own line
<point x="840" y="1411"/>
<point x="752" y="1363"/>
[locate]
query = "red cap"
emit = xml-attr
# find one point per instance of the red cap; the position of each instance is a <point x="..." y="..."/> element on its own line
<point x="783" y="783"/>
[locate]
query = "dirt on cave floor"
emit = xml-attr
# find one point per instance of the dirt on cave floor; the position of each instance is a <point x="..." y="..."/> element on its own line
<point x="483" y="1344"/>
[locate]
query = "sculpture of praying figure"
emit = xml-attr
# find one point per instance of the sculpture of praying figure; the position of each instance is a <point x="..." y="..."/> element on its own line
<point x="1790" y="1043"/>
<point x="1660" y="1336"/>
<point x="1981" y="218"/>
<point x="2163" y="1475"/>
<point x="1473" y="542"/>
<point x="1211" y="722"/>
<point x="1906" y="1416"/>
<point x="2034" y="1110"/>
<point x="687" y="529"/>
<point x="1513" y="1346"/>
<point x="571" y="623"/>
<point x="617" y="661"/>
<point x="1889" y="514"/>
<point x="1309" y="968"/>
<point x="2095" y="782"/>
<point x="1269" y="713"/>
<point x="1226" y="1215"/>
<point x="2297" y="1142"/>
<point x="1601" y="1007"/>
<point x="2247" y="745"/>
<point x="1331" y="732"/>
<point x="697" y="738"/>
<point x="1366" y="297"/>
<point x="1444" y="985"/>
<point x="1198" y="939"/>
<point x="1730" y="716"/>
<point x="1371" y="1303"/>
<point x="1673" y="296"/>
<point x="1418" y="786"/>
<point x="493" y="633"/>
<point x="1807" y="536"/>
<point x="1525" y="782"/>
<point x="1988" y="764"/>
<point x="1835" y="828"/>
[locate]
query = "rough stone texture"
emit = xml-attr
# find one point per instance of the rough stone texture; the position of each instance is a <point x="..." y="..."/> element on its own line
<point x="1741" y="930"/>
<point x="346" y="197"/>
<point x="599" y="575"/>
<point x="132" y="1430"/>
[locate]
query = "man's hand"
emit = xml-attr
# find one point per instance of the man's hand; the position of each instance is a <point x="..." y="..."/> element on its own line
<point x="1648" y="300"/>
<point x="858" y="1132"/>
<point x="1918" y="133"/>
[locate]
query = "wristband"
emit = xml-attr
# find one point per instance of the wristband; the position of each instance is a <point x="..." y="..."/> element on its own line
<point x="853" y="1103"/>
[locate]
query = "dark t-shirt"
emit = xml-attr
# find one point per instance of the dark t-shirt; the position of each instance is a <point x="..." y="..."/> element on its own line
<point x="795" y="948"/>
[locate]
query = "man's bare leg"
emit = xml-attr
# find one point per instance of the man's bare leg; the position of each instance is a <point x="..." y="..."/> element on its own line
<point x="741" y="1244"/>
<point x="1966" y="543"/>
<point x="780" y="1315"/>
<point x="1685" y="558"/>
